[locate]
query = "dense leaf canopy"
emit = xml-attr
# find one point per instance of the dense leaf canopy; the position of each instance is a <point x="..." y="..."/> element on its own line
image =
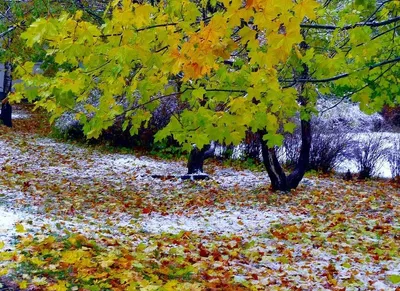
<point x="234" y="66"/>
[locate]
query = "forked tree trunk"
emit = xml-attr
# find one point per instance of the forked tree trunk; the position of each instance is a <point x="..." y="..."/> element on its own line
<point x="279" y="180"/>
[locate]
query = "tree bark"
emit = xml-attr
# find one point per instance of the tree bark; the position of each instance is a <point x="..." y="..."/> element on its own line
<point x="304" y="159"/>
<point x="197" y="157"/>
<point x="279" y="180"/>
<point x="274" y="168"/>
<point x="6" y="109"/>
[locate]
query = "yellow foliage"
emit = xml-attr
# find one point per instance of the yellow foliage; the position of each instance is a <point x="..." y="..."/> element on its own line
<point x="20" y="228"/>
<point x="59" y="286"/>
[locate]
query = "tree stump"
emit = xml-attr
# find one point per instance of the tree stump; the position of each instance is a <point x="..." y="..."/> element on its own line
<point x="348" y="176"/>
<point x="196" y="162"/>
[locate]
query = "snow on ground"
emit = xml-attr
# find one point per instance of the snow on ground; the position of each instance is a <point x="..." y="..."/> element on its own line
<point x="60" y="163"/>
<point x="78" y="163"/>
<point x="19" y="114"/>
<point x="241" y="221"/>
<point x="54" y="172"/>
<point x="66" y="162"/>
<point x="7" y="223"/>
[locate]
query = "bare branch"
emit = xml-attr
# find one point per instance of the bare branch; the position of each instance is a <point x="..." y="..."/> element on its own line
<point x="351" y="26"/>
<point x="9" y="30"/>
<point x="341" y="76"/>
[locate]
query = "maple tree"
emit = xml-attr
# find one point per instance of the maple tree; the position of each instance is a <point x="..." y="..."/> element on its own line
<point x="14" y="17"/>
<point x="241" y="66"/>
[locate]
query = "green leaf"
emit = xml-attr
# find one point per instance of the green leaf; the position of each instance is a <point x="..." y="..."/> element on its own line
<point x="64" y="98"/>
<point x="395" y="279"/>
<point x="273" y="139"/>
<point x="346" y="265"/>
<point x="199" y="93"/>
<point x="289" y="127"/>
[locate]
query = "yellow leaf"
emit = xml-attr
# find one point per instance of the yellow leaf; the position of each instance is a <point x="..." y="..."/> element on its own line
<point x="306" y="8"/>
<point x="71" y="257"/>
<point x="23" y="284"/>
<point x="1" y="244"/>
<point x="247" y="34"/>
<point x="3" y="272"/>
<point x="170" y="285"/>
<point x="37" y="261"/>
<point x="143" y="14"/>
<point x="20" y="228"/>
<point x="60" y="286"/>
<point x="78" y="14"/>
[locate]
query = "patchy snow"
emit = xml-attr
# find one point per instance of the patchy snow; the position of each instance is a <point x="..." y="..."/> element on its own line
<point x="8" y="220"/>
<point x="19" y="115"/>
<point x="243" y="221"/>
<point x="111" y="167"/>
<point x="53" y="187"/>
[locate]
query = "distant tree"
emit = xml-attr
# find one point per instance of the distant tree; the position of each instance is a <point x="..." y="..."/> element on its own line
<point x="244" y="66"/>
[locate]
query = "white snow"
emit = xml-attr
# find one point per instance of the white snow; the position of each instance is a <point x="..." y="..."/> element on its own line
<point x="8" y="220"/>
<point x="66" y="164"/>
<point x="379" y="285"/>
<point x="19" y="115"/>
<point x="243" y="221"/>
<point x="347" y="115"/>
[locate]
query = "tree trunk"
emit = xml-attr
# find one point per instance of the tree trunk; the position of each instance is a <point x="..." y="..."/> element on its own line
<point x="197" y="157"/>
<point x="279" y="180"/>
<point x="274" y="169"/>
<point x="6" y="109"/>
<point x="304" y="158"/>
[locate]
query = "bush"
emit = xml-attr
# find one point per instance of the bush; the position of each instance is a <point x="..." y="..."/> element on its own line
<point x="328" y="149"/>
<point x="394" y="158"/>
<point x="392" y="115"/>
<point x="289" y="153"/>
<point x="68" y="127"/>
<point x="338" y="116"/>
<point x="369" y="154"/>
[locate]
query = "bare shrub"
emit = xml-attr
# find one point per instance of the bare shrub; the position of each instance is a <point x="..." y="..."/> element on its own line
<point x="328" y="149"/>
<point x="369" y="155"/>
<point x="394" y="157"/>
<point x="252" y="146"/>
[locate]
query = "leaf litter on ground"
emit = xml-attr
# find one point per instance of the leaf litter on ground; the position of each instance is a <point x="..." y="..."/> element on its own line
<point x="74" y="218"/>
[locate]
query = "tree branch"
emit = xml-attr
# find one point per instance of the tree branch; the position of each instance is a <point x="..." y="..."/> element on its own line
<point x="341" y="76"/>
<point x="12" y="28"/>
<point x="356" y="91"/>
<point x="226" y="90"/>
<point x="351" y="26"/>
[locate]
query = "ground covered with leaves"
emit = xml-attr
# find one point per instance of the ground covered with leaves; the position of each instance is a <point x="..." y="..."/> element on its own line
<point x="77" y="218"/>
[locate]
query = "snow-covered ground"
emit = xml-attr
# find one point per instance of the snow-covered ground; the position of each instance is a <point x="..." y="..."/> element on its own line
<point x="66" y="162"/>
<point x="243" y="221"/>
<point x="44" y="160"/>
<point x="53" y="187"/>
